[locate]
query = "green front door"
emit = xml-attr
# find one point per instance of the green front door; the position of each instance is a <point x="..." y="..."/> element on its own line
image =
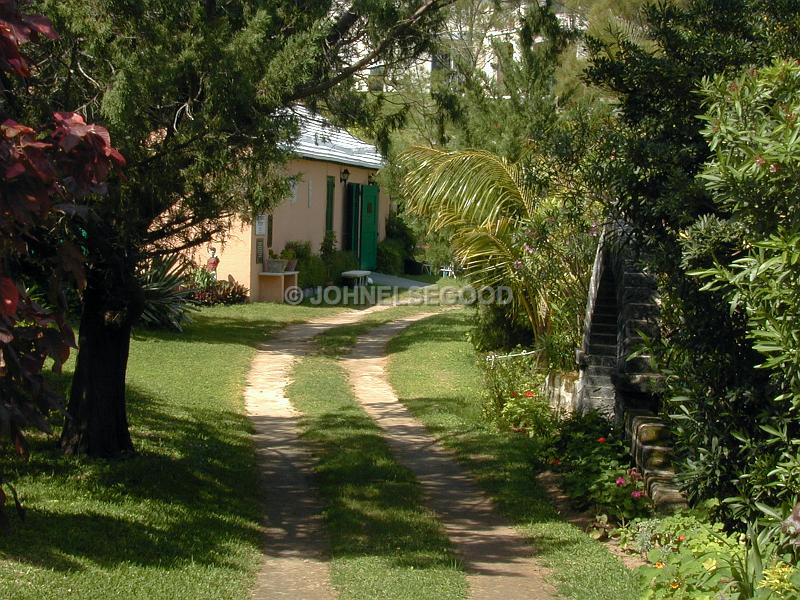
<point x="368" y="239"/>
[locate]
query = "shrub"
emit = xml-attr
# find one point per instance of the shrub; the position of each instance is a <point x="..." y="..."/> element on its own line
<point x="328" y="246"/>
<point x="495" y="329"/>
<point x="221" y="292"/>
<point x="337" y="262"/>
<point x="391" y="257"/>
<point x="402" y="235"/>
<point x="596" y="468"/>
<point x="513" y="398"/>
<point x="313" y="272"/>
<point x="302" y="250"/>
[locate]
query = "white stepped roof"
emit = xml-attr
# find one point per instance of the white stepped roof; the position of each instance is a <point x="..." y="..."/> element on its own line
<point x="321" y="140"/>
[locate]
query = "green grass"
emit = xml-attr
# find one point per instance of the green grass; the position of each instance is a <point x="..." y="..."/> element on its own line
<point x="433" y="369"/>
<point x="181" y="519"/>
<point x="339" y="340"/>
<point x="384" y="542"/>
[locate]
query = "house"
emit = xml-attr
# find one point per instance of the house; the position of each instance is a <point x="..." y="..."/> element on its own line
<point x="334" y="192"/>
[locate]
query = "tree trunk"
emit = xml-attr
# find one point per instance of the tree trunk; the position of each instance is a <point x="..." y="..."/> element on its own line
<point x="96" y="422"/>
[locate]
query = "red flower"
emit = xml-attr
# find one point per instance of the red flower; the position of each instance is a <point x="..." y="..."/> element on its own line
<point x="681" y="538"/>
<point x="514" y="394"/>
<point x="9" y="297"/>
<point x="529" y="394"/>
<point x="602" y="440"/>
<point x="636" y="494"/>
<point x="555" y="461"/>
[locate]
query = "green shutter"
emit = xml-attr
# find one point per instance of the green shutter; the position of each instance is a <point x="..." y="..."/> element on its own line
<point x="329" y="204"/>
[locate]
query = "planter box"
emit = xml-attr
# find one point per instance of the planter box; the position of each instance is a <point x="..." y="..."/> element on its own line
<point x="275" y="265"/>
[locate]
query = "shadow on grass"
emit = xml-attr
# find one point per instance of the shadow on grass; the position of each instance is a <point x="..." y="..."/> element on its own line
<point x="374" y="505"/>
<point x="189" y="492"/>
<point x="440" y="328"/>
<point x="219" y="330"/>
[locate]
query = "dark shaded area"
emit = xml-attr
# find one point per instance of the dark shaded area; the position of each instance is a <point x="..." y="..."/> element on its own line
<point x="194" y="465"/>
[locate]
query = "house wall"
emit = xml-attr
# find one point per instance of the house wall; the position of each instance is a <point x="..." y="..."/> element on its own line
<point x="302" y="216"/>
<point x="236" y="254"/>
<point x="298" y="218"/>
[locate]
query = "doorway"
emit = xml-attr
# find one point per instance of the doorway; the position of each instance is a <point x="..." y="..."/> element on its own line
<point x="361" y="224"/>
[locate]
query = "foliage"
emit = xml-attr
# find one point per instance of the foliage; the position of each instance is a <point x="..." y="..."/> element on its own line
<point x="167" y="300"/>
<point x="312" y="272"/>
<point x="596" y="468"/>
<point x="397" y="229"/>
<point x="753" y="131"/>
<point x="692" y="557"/>
<point x="513" y="397"/>
<point x="495" y="329"/>
<point x="391" y="256"/>
<point x="302" y="250"/>
<point x="650" y="165"/>
<point x="221" y="292"/>
<point x="525" y="225"/>
<point x="198" y="97"/>
<point x="48" y="172"/>
<point x="328" y="246"/>
<point x="338" y="262"/>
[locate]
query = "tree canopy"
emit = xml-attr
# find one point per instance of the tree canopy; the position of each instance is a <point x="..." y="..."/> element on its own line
<point x="198" y="98"/>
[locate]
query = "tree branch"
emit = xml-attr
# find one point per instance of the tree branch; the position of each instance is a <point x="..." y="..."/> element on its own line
<point x="322" y="86"/>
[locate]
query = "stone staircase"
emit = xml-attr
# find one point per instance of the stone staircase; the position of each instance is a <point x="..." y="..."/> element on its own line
<point x="623" y="306"/>
<point x="600" y="357"/>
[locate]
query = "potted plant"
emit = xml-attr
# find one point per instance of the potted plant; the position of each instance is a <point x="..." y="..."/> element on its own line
<point x="289" y="255"/>
<point x="275" y="264"/>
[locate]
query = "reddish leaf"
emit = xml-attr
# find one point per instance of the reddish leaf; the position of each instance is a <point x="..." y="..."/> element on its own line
<point x="15" y="171"/>
<point x="41" y="25"/>
<point x="12" y="129"/>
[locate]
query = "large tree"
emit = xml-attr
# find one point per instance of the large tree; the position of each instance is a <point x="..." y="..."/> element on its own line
<point x="198" y="98"/>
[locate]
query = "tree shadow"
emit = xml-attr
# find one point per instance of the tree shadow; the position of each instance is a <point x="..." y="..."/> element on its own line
<point x="190" y="490"/>
<point x="374" y="506"/>
<point x="443" y="328"/>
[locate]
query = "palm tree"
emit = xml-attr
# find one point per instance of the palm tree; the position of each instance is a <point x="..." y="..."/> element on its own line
<point x="512" y="224"/>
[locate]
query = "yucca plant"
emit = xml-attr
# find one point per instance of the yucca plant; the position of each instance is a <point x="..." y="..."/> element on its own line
<point x="167" y="298"/>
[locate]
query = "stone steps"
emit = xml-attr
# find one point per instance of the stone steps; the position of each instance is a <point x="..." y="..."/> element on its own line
<point x="650" y="446"/>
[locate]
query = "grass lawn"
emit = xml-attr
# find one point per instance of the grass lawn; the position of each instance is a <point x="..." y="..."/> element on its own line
<point x="182" y="518"/>
<point x="433" y="369"/>
<point x="385" y="543"/>
<point x="339" y="340"/>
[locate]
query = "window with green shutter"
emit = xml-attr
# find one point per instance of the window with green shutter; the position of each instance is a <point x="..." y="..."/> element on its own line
<point x="329" y="204"/>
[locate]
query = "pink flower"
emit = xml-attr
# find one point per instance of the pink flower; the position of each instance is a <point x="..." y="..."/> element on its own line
<point x="636" y="494"/>
<point x="620" y="481"/>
